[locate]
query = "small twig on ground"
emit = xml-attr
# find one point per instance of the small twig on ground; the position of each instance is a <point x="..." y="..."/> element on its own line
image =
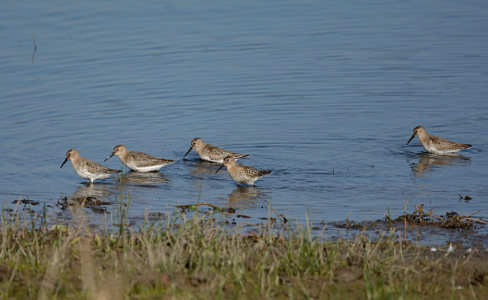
<point x="35" y="48"/>
<point x="476" y="220"/>
<point x="468" y="216"/>
<point x="405" y="229"/>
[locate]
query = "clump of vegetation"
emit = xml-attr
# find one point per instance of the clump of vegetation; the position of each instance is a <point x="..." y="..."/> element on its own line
<point x="197" y="257"/>
<point x="451" y="220"/>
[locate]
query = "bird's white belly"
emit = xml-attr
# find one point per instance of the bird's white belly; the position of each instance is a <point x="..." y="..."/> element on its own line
<point x="144" y="169"/>
<point x="432" y="149"/>
<point x="243" y="179"/>
<point x="207" y="158"/>
<point x="83" y="173"/>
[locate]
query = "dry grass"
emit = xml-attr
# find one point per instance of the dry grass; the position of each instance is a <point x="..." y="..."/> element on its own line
<point x="198" y="258"/>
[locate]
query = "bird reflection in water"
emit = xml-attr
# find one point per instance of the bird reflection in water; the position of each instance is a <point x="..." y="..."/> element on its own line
<point x="202" y="167"/>
<point x="428" y="162"/>
<point x="93" y="196"/>
<point x="90" y="190"/>
<point x="245" y="196"/>
<point x="138" y="178"/>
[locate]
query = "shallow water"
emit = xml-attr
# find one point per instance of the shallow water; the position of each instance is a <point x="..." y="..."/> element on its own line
<point x="324" y="93"/>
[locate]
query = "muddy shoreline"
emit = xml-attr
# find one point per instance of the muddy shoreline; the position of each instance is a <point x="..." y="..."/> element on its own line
<point x="199" y="256"/>
<point x="421" y="226"/>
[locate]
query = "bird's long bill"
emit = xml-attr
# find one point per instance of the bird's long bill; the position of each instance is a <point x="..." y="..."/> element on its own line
<point x="109" y="157"/>
<point x="413" y="135"/>
<point x="219" y="169"/>
<point x="65" y="160"/>
<point x="187" y="151"/>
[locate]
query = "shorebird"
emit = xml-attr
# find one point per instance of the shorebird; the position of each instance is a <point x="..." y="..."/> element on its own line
<point x="436" y="145"/>
<point x="240" y="173"/>
<point x="86" y="168"/>
<point x="210" y="152"/>
<point x="139" y="161"/>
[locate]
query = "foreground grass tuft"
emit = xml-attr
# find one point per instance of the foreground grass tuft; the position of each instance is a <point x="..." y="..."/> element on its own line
<point x="198" y="258"/>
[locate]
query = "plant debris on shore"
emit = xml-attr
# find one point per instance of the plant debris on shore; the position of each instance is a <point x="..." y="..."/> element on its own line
<point x="451" y="220"/>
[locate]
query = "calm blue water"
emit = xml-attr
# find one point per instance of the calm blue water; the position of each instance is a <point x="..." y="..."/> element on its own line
<point x="325" y="93"/>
